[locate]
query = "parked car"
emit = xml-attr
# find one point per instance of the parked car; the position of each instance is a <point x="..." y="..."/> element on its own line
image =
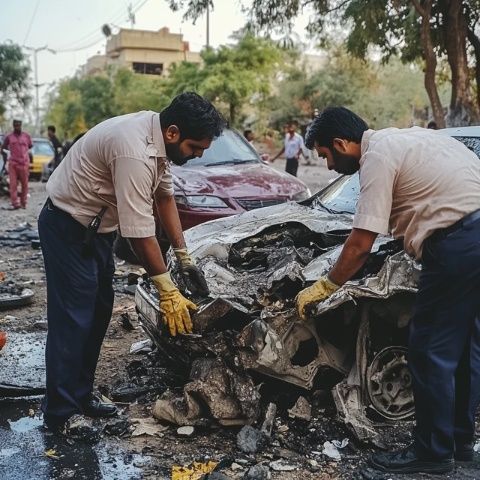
<point x="43" y="154"/>
<point x="228" y="179"/>
<point x="355" y="342"/>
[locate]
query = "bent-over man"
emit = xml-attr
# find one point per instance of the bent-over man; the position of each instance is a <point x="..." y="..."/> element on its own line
<point x="114" y="176"/>
<point x="422" y="187"/>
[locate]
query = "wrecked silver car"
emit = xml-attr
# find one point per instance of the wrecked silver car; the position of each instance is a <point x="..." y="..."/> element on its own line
<point x="248" y="329"/>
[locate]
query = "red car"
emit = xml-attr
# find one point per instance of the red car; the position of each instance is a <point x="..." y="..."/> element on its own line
<point x="228" y="179"/>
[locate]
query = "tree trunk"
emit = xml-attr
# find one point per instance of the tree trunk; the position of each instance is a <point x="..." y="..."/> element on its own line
<point x="424" y="9"/>
<point x="475" y="42"/>
<point x="233" y="111"/>
<point x="461" y="111"/>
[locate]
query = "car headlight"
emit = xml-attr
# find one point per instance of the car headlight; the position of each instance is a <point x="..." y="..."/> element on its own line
<point x="303" y="195"/>
<point x="201" y="201"/>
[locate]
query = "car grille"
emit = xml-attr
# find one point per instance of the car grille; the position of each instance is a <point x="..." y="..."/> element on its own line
<point x="253" y="204"/>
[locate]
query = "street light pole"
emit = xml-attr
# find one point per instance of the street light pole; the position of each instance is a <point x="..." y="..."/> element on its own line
<point x="37" y="85"/>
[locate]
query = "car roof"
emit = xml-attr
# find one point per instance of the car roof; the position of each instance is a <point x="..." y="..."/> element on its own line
<point x="473" y="131"/>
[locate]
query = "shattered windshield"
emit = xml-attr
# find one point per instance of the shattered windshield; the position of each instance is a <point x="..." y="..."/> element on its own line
<point x="229" y="148"/>
<point x="473" y="143"/>
<point x="341" y="195"/>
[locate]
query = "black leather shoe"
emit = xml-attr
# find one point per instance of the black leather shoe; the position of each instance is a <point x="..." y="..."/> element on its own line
<point x="95" y="408"/>
<point x="406" y="461"/>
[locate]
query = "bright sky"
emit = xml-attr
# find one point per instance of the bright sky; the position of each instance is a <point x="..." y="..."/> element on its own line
<point x="72" y="28"/>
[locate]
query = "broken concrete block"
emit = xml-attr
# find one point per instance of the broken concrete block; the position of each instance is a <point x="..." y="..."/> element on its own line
<point x="251" y="440"/>
<point x="258" y="472"/>
<point x="83" y="428"/>
<point x="281" y="466"/>
<point x="301" y="410"/>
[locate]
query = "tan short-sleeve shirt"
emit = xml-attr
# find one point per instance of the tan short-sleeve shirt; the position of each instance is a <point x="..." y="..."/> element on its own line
<point x="118" y="164"/>
<point x="414" y="181"/>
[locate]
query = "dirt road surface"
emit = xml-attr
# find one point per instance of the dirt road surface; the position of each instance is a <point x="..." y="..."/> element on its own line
<point x="109" y="450"/>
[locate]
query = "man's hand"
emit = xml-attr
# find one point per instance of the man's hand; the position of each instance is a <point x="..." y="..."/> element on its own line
<point x="173" y="306"/>
<point x="192" y="275"/>
<point x="319" y="291"/>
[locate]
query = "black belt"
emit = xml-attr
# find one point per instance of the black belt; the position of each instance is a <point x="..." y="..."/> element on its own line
<point x="463" y="222"/>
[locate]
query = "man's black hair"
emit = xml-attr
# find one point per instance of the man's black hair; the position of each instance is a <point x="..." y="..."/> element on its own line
<point x="432" y="124"/>
<point x="52" y="128"/>
<point x="195" y="116"/>
<point x="335" y="122"/>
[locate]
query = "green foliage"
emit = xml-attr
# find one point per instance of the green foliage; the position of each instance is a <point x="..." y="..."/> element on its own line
<point x="14" y="71"/>
<point x="80" y="103"/>
<point x="384" y="94"/>
<point x="231" y="76"/>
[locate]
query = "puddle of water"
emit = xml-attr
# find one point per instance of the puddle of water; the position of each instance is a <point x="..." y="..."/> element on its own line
<point x="25" y="424"/>
<point x="22" y="456"/>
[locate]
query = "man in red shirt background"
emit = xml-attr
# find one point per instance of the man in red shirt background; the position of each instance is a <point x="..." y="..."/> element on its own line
<point x="18" y="143"/>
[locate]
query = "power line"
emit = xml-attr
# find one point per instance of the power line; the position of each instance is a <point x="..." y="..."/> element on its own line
<point x="31" y="21"/>
<point x="98" y="38"/>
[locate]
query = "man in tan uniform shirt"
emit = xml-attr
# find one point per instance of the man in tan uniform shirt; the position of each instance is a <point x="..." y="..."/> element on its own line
<point x="115" y="176"/>
<point x="423" y="187"/>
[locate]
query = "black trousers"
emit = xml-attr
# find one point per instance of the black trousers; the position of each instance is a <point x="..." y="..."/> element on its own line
<point x="291" y="166"/>
<point x="444" y="343"/>
<point x="79" y="306"/>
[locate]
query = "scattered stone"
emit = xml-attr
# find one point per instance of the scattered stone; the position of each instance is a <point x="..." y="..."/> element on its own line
<point x="251" y="440"/>
<point x="185" y="431"/>
<point x="301" y="410"/>
<point x="280" y="466"/>
<point x="282" y="429"/>
<point x="117" y="426"/>
<point x="267" y="425"/>
<point x="216" y="476"/>
<point x="126" y="322"/>
<point x="9" y="318"/>
<point x="235" y="466"/>
<point x="258" y="472"/>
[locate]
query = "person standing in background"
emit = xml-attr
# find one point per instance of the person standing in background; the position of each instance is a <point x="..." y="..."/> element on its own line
<point x="18" y="143"/>
<point x="293" y="147"/>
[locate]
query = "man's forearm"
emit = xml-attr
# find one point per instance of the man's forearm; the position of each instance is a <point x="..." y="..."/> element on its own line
<point x="170" y="221"/>
<point x="149" y="254"/>
<point x="354" y="254"/>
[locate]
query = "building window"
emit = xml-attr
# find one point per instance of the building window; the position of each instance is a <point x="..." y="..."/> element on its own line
<point x="148" y="68"/>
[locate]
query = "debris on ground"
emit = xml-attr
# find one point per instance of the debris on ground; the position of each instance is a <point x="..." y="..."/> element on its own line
<point x="251" y="440"/>
<point x="147" y="426"/>
<point x="20" y="236"/>
<point x="331" y="449"/>
<point x="301" y="410"/>
<point x="281" y="466"/>
<point x="213" y="394"/>
<point x="143" y="346"/>
<point x="258" y="472"/>
<point x="79" y="427"/>
<point x="186" y="431"/>
<point x="193" y="471"/>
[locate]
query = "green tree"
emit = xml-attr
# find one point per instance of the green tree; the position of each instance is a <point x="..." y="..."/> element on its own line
<point x="233" y="76"/>
<point x="412" y="29"/>
<point x="14" y="71"/>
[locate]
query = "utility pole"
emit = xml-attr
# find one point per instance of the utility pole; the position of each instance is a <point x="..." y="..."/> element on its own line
<point x="36" y="84"/>
<point x="208" y="25"/>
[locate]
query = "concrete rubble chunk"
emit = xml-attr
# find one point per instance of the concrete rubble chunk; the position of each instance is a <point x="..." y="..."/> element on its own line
<point x="301" y="410"/>
<point x="258" y="472"/>
<point x="251" y="440"/>
<point x="281" y="466"/>
<point x="186" y="431"/>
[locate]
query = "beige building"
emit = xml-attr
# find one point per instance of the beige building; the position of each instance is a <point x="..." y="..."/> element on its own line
<point x="143" y="51"/>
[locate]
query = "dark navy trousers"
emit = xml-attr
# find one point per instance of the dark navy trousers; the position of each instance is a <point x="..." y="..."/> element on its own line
<point x="444" y="343"/>
<point x="79" y="307"/>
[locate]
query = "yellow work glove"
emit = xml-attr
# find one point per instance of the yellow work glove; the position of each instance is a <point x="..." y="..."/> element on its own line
<point x="319" y="291"/>
<point x="174" y="307"/>
<point x="192" y="275"/>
